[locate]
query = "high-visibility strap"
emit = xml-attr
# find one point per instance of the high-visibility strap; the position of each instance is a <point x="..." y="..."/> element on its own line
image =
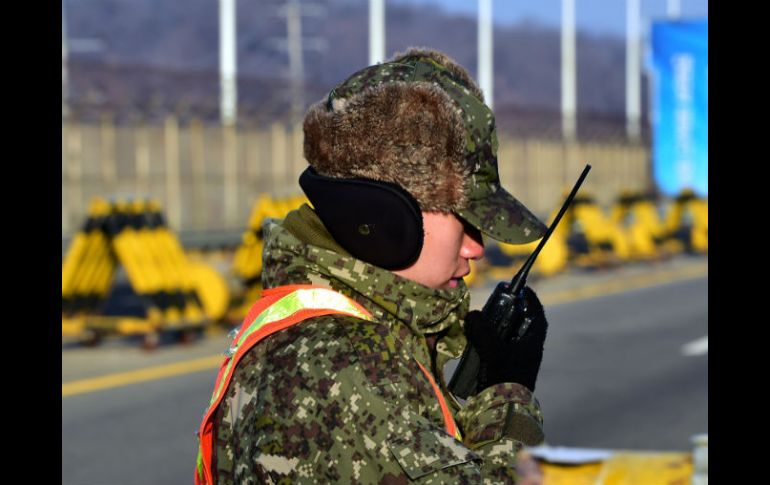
<point x="284" y="303"/>
<point x="449" y="422"/>
<point x="279" y="308"/>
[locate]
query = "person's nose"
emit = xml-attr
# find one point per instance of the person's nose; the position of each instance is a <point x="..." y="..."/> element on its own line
<point x="472" y="247"/>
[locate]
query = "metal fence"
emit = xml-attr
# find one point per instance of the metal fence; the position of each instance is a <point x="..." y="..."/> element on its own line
<point x="208" y="177"/>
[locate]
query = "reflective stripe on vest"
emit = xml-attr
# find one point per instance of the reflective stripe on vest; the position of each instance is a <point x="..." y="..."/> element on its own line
<point x="304" y="298"/>
<point x="277" y="309"/>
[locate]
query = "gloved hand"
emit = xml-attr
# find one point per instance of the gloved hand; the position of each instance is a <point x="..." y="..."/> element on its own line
<point x="504" y="359"/>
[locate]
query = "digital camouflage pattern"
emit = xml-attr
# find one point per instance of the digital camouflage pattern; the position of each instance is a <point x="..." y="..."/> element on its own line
<point x="337" y="399"/>
<point x="491" y="208"/>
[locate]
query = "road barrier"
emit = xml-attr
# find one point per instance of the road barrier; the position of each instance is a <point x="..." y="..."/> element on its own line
<point x="247" y="261"/>
<point x="179" y="293"/>
<point x="589" y="237"/>
<point x="687" y="222"/>
<point x="176" y="294"/>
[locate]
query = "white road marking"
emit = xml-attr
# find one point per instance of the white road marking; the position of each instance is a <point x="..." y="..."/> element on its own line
<point x="696" y="347"/>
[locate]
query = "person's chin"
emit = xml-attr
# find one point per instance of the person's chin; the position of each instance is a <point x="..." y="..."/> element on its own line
<point x="453" y="283"/>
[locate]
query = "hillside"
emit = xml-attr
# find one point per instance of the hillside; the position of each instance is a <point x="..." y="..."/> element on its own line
<point x="161" y="55"/>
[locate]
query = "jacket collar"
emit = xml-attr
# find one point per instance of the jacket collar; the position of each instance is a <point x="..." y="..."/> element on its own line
<point x="303" y="253"/>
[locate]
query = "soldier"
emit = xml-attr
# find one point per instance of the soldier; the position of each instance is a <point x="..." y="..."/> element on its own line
<point x="336" y="375"/>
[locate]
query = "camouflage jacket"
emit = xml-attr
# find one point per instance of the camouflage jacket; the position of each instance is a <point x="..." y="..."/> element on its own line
<point x="337" y="399"/>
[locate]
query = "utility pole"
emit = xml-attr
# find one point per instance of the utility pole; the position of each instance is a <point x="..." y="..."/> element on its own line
<point x="295" y="44"/>
<point x="376" y="31"/>
<point x="633" y="72"/>
<point x="228" y="108"/>
<point x="296" y="58"/>
<point x="568" y="81"/>
<point x="227" y="62"/>
<point x="485" y="51"/>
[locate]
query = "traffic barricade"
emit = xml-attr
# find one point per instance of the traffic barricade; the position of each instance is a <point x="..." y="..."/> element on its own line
<point x="247" y="261"/>
<point x="687" y="223"/>
<point x="638" y="217"/>
<point x="175" y="294"/>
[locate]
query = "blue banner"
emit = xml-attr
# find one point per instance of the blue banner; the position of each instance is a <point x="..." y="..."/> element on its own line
<point x="680" y="114"/>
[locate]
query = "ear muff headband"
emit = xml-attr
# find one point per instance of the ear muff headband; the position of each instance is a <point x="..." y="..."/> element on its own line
<point x="377" y="222"/>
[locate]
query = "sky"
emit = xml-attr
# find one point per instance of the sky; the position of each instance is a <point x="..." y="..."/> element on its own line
<point x="601" y="17"/>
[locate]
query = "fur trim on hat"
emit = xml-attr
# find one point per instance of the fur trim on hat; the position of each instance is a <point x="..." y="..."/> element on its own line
<point x="408" y="133"/>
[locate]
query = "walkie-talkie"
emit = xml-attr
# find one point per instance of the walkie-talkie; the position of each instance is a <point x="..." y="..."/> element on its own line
<point x="500" y="309"/>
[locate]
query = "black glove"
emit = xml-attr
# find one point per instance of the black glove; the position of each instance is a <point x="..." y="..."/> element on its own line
<point x="503" y="359"/>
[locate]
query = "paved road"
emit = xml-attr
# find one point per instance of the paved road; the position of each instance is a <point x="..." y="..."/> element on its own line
<point x="613" y="376"/>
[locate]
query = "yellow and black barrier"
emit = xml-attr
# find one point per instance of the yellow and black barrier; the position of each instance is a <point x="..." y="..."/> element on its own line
<point x="175" y="293"/>
<point x="638" y="216"/>
<point x="593" y="238"/>
<point x="587" y="237"/>
<point x="636" y="229"/>
<point x="552" y="259"/>
<point x="89" y="266"/>
<point x="653" y="231"/>
<point x="687" y="223"/>
<point x="247" y="262"/>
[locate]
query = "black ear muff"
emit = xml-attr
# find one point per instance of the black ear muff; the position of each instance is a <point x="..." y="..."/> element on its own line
<point x="377" y="222"/>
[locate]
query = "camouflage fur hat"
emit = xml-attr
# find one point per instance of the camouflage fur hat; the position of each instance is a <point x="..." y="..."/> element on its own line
<point x="419" y="120"/>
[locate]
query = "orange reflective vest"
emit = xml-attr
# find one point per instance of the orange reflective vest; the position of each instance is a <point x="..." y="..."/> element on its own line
<point x="277" y="309"/>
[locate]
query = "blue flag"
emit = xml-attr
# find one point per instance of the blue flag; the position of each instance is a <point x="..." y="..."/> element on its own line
<point x="680" y="115"/>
